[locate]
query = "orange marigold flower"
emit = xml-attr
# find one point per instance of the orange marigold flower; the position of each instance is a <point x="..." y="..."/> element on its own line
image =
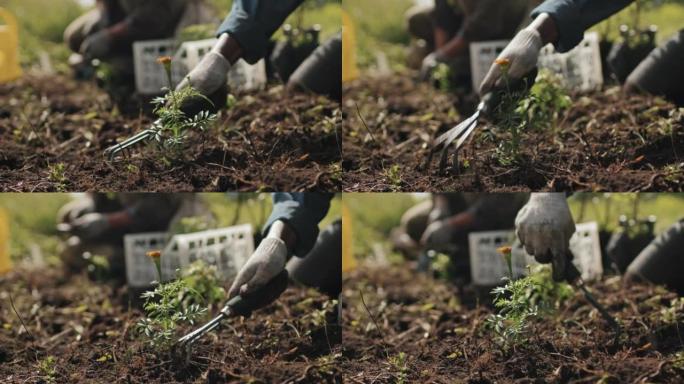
<point x="164" y="60"/>
<point x="154" y="255"/>
<point x="503" y="62"/>
<point x="504" y="250"/>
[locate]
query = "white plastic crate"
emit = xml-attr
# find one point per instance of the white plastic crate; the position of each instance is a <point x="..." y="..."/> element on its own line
<point x="580" y="68"/>
<point x="140" y="270"/>
<point x="150" y="77"/>
<point x="488" y="267"/>
<point x="482" y="55"/>
<point x="226" y="248"/>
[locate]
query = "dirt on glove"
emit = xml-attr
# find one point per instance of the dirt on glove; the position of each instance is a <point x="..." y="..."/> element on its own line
<point x="79" y="331"/>
<point x="414" y="329"/>
<point x="269" y="140"/>
<point x="604" y="141"/>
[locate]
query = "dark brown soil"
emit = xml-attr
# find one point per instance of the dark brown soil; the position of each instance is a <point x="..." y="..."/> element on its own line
<point x="270" y="140"/>
<point x="89" y="332"/>
<point x="444" y="342"/>
<point x="605" y="141"/>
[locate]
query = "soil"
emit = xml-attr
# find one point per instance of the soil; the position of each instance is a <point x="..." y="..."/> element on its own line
<point x="443" y="340"/>
<point x="88" y="329"/>
<point x="270" y="140"/>
<point x="605" y="141"/>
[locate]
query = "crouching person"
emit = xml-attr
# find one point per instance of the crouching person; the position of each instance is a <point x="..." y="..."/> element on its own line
<point x="97" y="223"/>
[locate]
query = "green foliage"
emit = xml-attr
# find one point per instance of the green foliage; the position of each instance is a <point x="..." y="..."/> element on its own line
<point x="179" y="302"/>
<point x="204" y="279"/>
<point x="393" y="175"/>
<point x="521" y="111"/>
<point x="58" y="176"/>
<point x="521" y="301"/>
<point x="442" y="77"/>
<point x="166" y="309"/>
<point x="174" y="124"/>
<point x="190" y="225"/>
<point x="400" y="364"/>
<point x="48" y="369"/>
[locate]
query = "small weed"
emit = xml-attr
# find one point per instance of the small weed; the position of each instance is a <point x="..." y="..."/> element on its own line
<point x="48" y="369"/>
<point x="393" y="176"/>
<point x="57" y="175"/>
<point x="336" y="172"/>
<point x="441" y="76"/>
<point x="399" y="364"/>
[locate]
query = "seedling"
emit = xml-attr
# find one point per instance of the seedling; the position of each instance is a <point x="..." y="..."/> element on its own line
<point x="169" y="132"/>
<point x="399" y="364"/>
<point x="57" y="175"/>
<point x="393" y="175"/>
<point x="521" y="301"/>
<point x="167" y="307"/>
<point x="47" y="369"/>
<point x="518" y="112"/>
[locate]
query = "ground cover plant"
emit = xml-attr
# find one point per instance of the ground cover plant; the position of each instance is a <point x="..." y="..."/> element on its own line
<point x="425" y="330"/>
<point x="602" y="141"/>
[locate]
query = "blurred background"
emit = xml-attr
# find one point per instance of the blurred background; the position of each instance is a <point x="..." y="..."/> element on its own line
<point x="374" y="215"/>
<point x="42" y="24"/>
<point x="32" y="219"/>
<point x="387" y="37"/>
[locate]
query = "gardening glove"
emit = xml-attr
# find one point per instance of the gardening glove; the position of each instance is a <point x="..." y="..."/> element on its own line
<point x="265" y="264"/>
<point x="430" y="62"/>
<point x="437" y="234"/>
<point x="209" y="75"/>
<point x="97" y="45"/>
<point x="90" y="226"/>
<point x="544" y="226"/>
<point x="520" y="56"/>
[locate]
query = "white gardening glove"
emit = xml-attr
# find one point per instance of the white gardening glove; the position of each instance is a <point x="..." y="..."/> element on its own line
<point x="544" y="226"/>
<point x="520" y="55"/>
<point x="209" y="75"/>
<point x="265" y="263"/>
<point x="97" y="45"/>
<point x="90" y="225"/>
<point x="437" y="234"/>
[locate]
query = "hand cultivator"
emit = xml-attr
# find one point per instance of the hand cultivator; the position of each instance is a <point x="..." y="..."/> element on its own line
<point x="460" y="133"/>
<point x="145" y="136"/>
<point x="573" y="275"/>
<point x="239" y="306"/>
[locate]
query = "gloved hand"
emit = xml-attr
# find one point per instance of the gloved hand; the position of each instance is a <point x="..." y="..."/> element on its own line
<point x="265" y="263"/>
<point x="97" y="45"/>
<point x="90" y="226"/>
<point x="544" y="226"/>
<point x="209" y="75"/>
<point x="437" y="234"/>
<point x="520" y="55"/>
<point x="430" y="62"/>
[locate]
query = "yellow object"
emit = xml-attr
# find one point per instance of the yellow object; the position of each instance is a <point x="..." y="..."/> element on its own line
<point x="348" y="261"/>
<point x="9" y="47"/>
<point x="349" y="69"/>
<point x="5" y="262"/>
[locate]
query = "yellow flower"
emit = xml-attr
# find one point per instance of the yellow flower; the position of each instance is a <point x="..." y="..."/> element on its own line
<point x="164" y="60"/>
<point x="506" y="250"/>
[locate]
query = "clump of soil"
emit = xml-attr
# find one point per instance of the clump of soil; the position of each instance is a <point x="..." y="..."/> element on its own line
<point x="443" y="341"/>
<point x="269" y="140"/>
<point x="88" y="332"/>
<point x="604" y="141"/>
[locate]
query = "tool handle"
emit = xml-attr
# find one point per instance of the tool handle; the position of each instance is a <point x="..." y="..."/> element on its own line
<point x="244" y="305"/>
